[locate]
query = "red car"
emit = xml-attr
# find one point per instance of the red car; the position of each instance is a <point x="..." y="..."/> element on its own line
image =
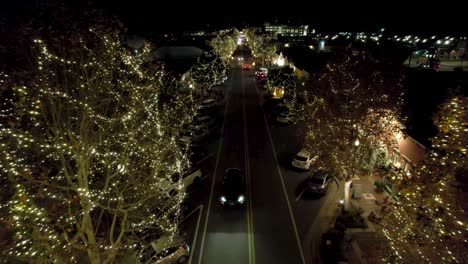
<point x="247" y="67"/>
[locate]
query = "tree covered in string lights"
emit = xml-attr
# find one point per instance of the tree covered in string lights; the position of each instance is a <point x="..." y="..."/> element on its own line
<point x="261" y="45"/>
<point x="428" y="224"/>
<point x="224" y="45"/>
<point x="208" y="71"/>
<point x="87" y="150"/>
<point x="349" y="114"/>
<point x="282" y="83"/>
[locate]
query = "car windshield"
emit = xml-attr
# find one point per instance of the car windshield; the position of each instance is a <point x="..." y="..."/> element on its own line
<point x="315" y="180"/>
<point x="232" y="184"/>
<point x="300" y="158"/>
<point x="166" y="252"/>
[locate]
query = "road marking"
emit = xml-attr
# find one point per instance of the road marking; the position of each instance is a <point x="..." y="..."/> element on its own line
<point x="299" y="196"/>
<point x="206" y="176"/>
<point x="282" y="183"/>
<point x="189" y="214"/>
<point x="205" y="158"/>
<point x="250" y="227"/>
<point x="196" y="230"/>
<point x="213" y="181"/>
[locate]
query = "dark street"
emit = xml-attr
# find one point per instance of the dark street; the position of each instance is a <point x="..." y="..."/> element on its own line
<point x="271" y="226"/>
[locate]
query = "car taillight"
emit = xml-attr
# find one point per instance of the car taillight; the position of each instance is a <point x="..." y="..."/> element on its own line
<point x="185" y="246"/>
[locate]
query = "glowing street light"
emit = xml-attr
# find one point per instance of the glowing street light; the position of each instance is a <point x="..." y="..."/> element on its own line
<point x="356" y="143"/>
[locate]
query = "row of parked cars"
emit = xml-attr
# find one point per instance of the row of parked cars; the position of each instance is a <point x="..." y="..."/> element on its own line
<point x="281" y="113"/>
<point x="173" y="249"/>
<point x="318" y="181"/>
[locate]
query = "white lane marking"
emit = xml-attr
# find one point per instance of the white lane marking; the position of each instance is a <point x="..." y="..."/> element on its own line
<point x="205" y="158"/>
<point x="299" y="196"/>
<point x="213" y="181"/>
<point x="196" y="231"/>
<point x="189" y="214"/>
<point x="282" y="183"/>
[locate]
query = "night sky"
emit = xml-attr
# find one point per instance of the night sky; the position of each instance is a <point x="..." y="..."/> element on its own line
<point x="162" y="16"/>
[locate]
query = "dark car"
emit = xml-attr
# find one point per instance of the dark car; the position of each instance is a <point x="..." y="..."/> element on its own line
<point x="233" y="188"/>
<point x="319" y="182"/>
<point x="197" y="154"/>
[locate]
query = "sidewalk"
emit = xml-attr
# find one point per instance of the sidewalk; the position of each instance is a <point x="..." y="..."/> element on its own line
<point x="361" y="245"/>
<point x="366" y="245"/>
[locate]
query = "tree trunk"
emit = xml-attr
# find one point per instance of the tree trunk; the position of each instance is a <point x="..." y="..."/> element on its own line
<point x="92" y="248"/>
<point x="347" y="187"/>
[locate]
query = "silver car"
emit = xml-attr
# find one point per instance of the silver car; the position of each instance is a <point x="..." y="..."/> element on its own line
<point x="166" y="250"/>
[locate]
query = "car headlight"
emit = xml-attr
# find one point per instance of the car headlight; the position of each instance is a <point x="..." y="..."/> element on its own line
<point x="223" y="199"/>
<point x="241" y="199"/>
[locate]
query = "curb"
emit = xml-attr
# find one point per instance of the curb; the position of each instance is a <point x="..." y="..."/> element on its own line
<point x="313" y="237"/>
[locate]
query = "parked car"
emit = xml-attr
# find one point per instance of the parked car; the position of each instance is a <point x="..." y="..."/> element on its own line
<point x="221" y="81"/>
<point x="186" y="136"/>
<point x="188" y="179"/>
<point x="166" y="250"/>
<point x="200" y="133"/>
<point x="261" y="76"/>
<point x="285" y="118"/>
<point x="209" y="103"/>
<point x="318" y="182"/>
<point x="280" y="108"/>
<point x="261" y="70"/>
<point x="204" y="120"/>
<point x="197" y="154"/>
<point x="303" y="159"/>
<point x="233" y="188"/>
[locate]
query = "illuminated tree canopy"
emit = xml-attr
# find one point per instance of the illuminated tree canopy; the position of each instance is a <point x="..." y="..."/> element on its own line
<point x="347" y="115"/>
<point x="429" y="225"/>
<point x="262" y="46"/>
<point x="224" y="45"/>
<point x="208" y="71"/>
<point x="87" y="150"/>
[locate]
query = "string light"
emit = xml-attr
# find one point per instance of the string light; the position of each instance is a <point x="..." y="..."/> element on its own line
<point x="87" y="150"/>
<point x="341" y="111"/>
<point x="427" y="225"/>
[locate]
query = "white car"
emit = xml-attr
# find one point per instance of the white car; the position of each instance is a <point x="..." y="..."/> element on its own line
<point x="203" y="120"/>
<point x="195" y="133"/>
<point x="261" y="70"/>
<point x="303" y="160"/>
<point x="166" y="250"/>
<point x="207" y="104"/>
<point x="186" y="136"/>
<point x="192" y="177"/>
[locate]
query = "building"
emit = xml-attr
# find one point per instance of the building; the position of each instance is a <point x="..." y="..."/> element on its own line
<point x="409" y="154"/>
<point x="287" y="31"/>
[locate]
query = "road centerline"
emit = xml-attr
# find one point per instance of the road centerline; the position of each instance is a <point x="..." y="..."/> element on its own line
<point x="250" y="231"/>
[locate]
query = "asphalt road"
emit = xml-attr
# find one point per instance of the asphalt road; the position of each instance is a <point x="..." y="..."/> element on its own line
<point x="272" y="226"/>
